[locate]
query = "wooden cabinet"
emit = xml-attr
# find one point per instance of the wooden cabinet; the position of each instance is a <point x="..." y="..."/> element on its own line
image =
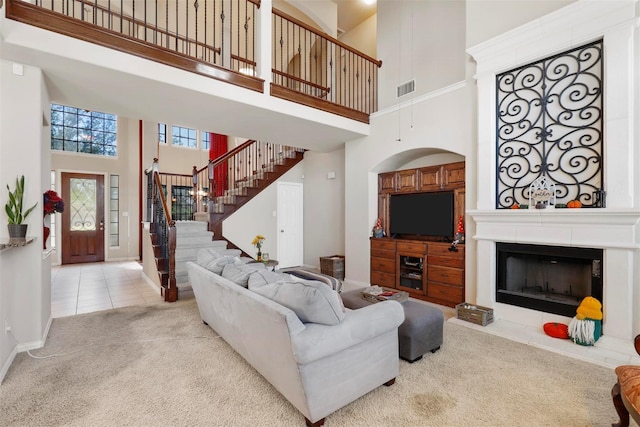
<point x="407" y="181"/>
<point x="383" y="262"/>
<point x="445" y="274"/>
<point x="430" y="178"/>
<point x="427" y="270"/>
<point x="453" y="176"/>
<point x="387" y="182"/>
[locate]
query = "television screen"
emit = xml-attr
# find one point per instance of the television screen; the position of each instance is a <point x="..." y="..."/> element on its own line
<point x="424" y="214"/>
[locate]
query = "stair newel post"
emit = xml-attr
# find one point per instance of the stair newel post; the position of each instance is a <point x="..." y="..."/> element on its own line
<point x="171" y="294"/>
<point x="195" y="191"/>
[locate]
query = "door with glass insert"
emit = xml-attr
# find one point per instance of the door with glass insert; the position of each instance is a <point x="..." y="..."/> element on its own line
<point x="83" y="218"/>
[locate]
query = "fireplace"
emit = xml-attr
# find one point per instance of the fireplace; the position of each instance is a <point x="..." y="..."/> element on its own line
<point x="552" y="279"/>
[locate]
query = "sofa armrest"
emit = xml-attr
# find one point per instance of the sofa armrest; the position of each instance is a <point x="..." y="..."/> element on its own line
<point x="317" y="341"/>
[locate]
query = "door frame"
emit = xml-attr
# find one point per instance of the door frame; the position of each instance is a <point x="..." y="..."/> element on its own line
<point x="105" y="201"/>
<point x="278" y="225"/>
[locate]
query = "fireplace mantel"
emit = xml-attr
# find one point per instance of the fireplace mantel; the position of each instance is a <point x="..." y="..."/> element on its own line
<point x="612" y="228"/>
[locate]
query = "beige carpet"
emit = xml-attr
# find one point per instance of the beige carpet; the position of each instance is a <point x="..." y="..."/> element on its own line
<point x="160" y="366"/>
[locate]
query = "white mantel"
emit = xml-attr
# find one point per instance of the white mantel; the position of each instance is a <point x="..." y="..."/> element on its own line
<point x="615" y="228"/>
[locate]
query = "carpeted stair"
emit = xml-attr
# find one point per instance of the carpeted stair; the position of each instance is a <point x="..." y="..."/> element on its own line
<point x="191" y="236"/>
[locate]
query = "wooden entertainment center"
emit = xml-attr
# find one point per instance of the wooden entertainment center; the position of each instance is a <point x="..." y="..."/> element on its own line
<point x="421" y="265"/>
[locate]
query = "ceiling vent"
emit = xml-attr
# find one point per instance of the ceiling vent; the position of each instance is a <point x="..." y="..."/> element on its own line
<point x="406" y="88"/>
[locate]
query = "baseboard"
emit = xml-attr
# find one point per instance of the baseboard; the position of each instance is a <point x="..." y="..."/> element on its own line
<point x="7" y="364"/>
<point x="39" y="343"/>
<point x="150" y="282"/>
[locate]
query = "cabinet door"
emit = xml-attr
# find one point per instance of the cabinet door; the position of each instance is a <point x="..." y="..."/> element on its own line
<point x="387" y="182"/>
<point x="430" y="178"/>
<point x="407" y="181"/>
<point x="453" y="175"/>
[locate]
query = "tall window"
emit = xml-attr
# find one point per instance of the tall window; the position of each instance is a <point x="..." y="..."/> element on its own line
<point x="114" y="210"/>
<point x="82" y="131"/>
<point x="183" y="137"/>
<point x="206" y="140"/>
<point x="162" y="133"/>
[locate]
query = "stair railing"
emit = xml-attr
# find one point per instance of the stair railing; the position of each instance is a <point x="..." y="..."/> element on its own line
<point x="163" y="229"/>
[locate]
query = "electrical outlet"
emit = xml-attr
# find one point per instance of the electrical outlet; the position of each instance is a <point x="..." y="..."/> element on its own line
<point x="7" y="328"/>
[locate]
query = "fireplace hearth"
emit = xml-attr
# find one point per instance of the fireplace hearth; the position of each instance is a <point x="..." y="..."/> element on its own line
<point x="552" y="279"/>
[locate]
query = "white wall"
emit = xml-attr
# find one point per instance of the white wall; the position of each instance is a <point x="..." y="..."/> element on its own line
<point x="489" y="18"/>
<point x="421" y="40"/>
<point x="363" y="37"/>
<point x="257" y="217"/>
<point x="24" y="280"/>
<point x="324" y="205"/>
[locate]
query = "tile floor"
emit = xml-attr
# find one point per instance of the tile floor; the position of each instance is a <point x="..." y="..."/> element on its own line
<point x="83" y="288"/>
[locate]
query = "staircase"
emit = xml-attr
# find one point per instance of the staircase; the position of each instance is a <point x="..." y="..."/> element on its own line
<point x="247" y="188"/>
<point x="191" y="237"/>
<point x="252" y="167"/>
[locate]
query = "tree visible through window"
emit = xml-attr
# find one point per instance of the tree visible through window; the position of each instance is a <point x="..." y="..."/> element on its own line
<point x="82" y="131"/>
<point x="183" y="137"/>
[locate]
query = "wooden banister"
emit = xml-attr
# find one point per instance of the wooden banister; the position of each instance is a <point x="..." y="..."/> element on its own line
<point x="325" y="36"/>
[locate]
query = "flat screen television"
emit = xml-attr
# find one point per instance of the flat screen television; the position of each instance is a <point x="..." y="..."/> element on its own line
<point x="422" y="214"/>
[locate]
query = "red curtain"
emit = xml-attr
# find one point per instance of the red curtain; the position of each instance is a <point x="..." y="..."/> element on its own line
<point x="218" y="147"/>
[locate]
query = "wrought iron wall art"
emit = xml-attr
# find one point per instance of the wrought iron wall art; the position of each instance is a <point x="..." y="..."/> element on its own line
<point x="549" y="123"/>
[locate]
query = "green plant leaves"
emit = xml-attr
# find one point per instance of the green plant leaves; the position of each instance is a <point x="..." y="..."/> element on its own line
<point x="14" y="206"/>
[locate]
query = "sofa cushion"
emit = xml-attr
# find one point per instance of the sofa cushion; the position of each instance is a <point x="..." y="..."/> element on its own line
<point x="239" y="273"/>
<point x="312" y="301"/>
<point x="214" y="260"/>
<point x="264" y="276"/>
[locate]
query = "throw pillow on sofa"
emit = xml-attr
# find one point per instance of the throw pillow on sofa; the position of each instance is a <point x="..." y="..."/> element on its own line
<point x="312" y="301"/>
<point x="239" y="273"/>
<point x="215" y="261"/>
<point x="264" y="276"/>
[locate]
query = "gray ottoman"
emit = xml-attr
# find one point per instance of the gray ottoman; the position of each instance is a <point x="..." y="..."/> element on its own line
<point x="420" y="332"/>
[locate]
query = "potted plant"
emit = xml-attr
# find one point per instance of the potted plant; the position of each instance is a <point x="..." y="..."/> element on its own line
<point x="15" y="211"/>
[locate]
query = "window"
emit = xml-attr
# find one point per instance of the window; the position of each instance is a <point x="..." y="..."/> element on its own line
<point x="183" y="137"/>
<point x="162" y="133"/>
<point x="206" y="140"/>
<point x="82" y="131"/>
<point x="181" y="203"/>
<point x="114" y="210"/>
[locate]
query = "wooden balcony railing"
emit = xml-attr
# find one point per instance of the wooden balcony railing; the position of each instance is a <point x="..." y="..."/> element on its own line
<point x="199" y="36"/>
<point x="218" y="39"/>
<point x="316" y="69"/>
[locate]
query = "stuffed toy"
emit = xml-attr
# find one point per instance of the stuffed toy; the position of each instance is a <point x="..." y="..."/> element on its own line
<point x="586" y="327"/>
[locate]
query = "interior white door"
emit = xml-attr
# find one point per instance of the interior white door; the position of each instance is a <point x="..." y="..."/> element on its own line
<point x="290" y="224"/>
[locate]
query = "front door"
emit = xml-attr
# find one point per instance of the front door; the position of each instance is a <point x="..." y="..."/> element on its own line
<point x="83" y="218"/>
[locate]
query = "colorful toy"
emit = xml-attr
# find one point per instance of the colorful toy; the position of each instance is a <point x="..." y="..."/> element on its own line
<point x="586" y="327"/>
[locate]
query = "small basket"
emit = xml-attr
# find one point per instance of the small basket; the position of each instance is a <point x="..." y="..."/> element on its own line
<point x="332" y="266"/>
<point x="474" y="313"/>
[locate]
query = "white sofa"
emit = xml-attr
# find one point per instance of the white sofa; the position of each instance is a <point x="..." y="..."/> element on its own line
<point x="317" y="367"/>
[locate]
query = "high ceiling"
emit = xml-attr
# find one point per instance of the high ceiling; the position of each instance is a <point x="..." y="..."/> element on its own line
<point x="351" y="13"/>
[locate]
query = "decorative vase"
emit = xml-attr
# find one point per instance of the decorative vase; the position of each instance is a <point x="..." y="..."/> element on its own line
<point x="45" y="236"/>
<point x="259" y="255"/>
<point x="46" y="231"/>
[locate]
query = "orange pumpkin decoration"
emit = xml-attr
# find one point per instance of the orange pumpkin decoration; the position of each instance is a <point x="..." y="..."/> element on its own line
<point x="515" y="206"/>
<point x="574" y="204"/>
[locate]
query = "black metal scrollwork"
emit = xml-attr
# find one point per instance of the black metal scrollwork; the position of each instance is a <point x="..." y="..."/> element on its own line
<point x="549" y="123"/>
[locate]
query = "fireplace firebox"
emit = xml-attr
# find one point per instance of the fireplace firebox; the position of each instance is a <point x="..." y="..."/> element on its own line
<point x="552" y="279"/>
